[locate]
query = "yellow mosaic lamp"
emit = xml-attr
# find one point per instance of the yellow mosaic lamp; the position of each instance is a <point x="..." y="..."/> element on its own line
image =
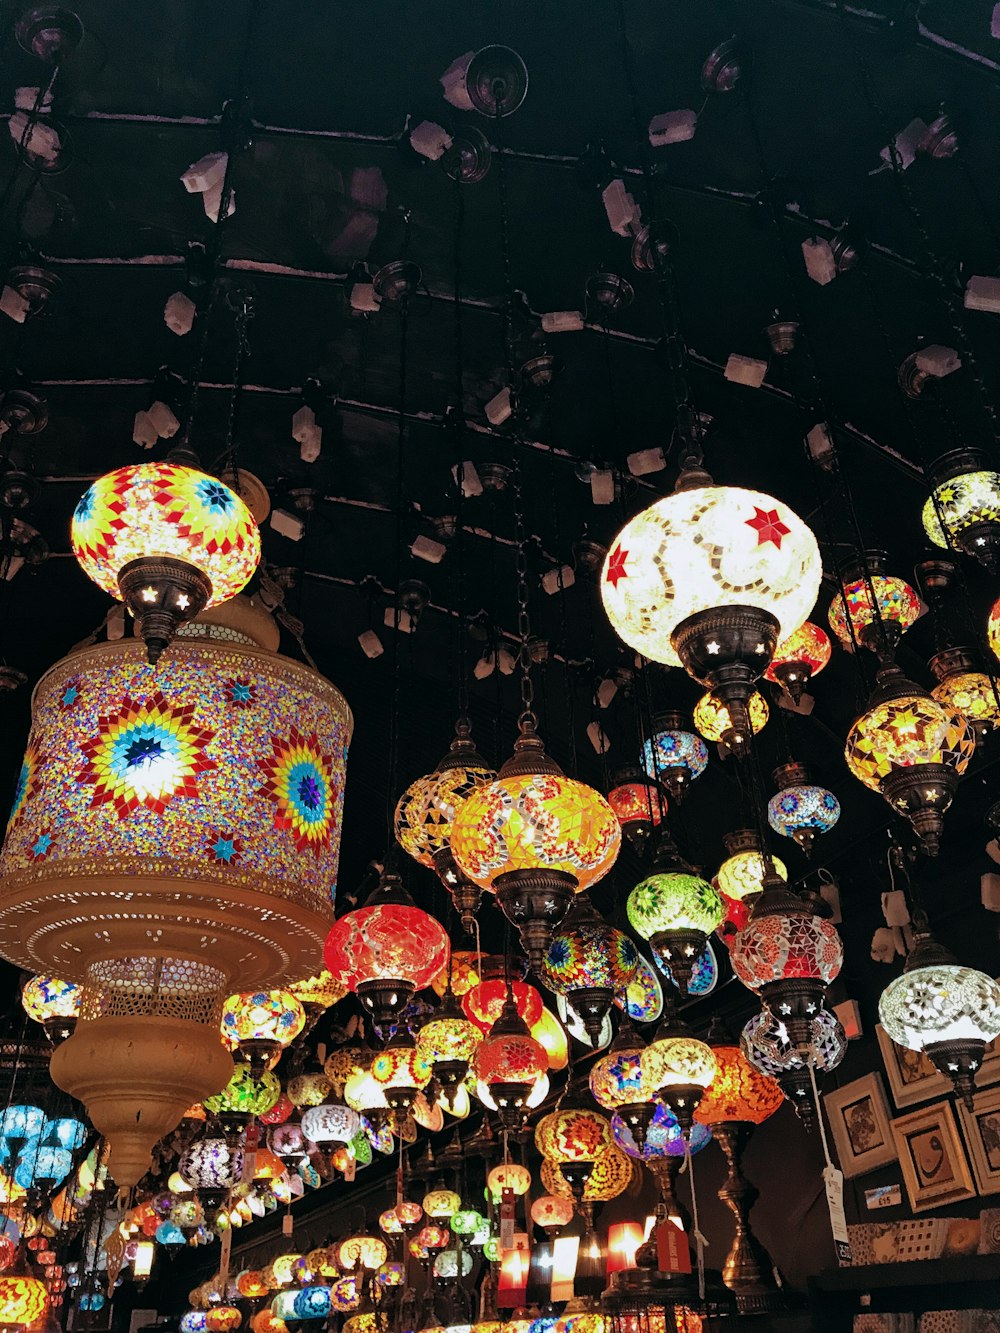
<point x="167" y="540"/>
<point x="173" y="832"/>
<point x="961" y="685"/>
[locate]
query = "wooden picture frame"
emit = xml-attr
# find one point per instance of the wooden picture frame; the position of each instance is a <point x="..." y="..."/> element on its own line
<point x="933" y="1161"/>
<point x="981" y="1131"/>
<point x="861" y="1126"/>
<point x="913" y="1078"/>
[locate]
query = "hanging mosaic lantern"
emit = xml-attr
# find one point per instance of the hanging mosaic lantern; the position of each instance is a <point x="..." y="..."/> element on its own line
<point x="589" y="962"/>
<point x="611" y="1176"/>
<point x="788" y="955"/>
<point x="676" y="911"/>
<point x="328" y="1124"/>
<point x="639" y="806"/>
<point x="619" y="1083"/>
<point x="664" y="1136"/>
<point x="680" y="1065"/>
<point x="386" y="950"/>
<point x="54" y="1003"/>
<point x="643" y="998"/>
<point x="195" y="832"/>
<point x="741" y="875"/>
<point x="710" y="578"/>
<point x="766" y="1043"/>
<point x="244" y="1095"/>
<point x="401" y="1071"/>
<point x="912" y="749"/>
<point x="169" y="541"/>
<point x="484" y="1002"/>
<point x="674" y="756"/>
<point x="261" y="1023"/>
<point x="511" y="1064"/>
<point x="799" y="658"/>
<point x="318" y="993"/>
<point x="963" y="510"/>
<point x="211" y="1167"/>
<point x="535" y="837"/>
<point x="713" y="720"/>
<point x="573" y="1137"/>
<point x="898" y="605"/>
<point x="800" y="809"/>
<point x="425" y="815"/>
<point x="949" y="1012"/>
<point x="447" y="1041"/>
<point x="962" y="687"/>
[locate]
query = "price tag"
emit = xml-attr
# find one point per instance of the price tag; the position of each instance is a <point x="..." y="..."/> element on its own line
<point x="287" y="1224"/>
<point x="350" y="1170"/>
<point x="883" y="1196"/>
<point x="225" y="1250"/>
<point x="507" y="1219"/>
<point x="673" y="1253"/>
<point x="833" y="1179"/>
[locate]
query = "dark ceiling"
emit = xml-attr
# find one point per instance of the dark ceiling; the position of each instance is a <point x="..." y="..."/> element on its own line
<point x="329" y="90"/>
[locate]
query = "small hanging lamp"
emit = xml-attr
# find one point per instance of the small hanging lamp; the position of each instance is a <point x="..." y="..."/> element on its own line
<point x="681" y="1066"/>
<point x="674" y="755"/>
<point x="801" y="809"/>
<point x="962" y="686"/>
<point x="676" y="911"/>
<point x="799" y="658"/>
<point x="639" y="804"/>
<point x="963" y="509"/>
<point x="879" y="624"/>
<point x="619" y="1084"/>
<point x="590" y="962"/>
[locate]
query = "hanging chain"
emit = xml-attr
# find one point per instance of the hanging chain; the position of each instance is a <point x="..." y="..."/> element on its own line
<point x="523" y="619"/>
<point x="462" y="667"/>
<point x="244" y="304"/>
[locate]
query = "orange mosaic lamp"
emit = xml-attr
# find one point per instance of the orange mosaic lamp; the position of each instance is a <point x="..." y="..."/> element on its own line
<point x="23" y="1300"/>
<point x="799" y="658"/>
<point x="535" y="838"/>
<point x="167" y="540"/>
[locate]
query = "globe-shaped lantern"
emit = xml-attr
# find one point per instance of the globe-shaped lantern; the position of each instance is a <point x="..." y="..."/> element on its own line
<point x="643" y="999"/>
<point x="800" y="809"/>
<point x="664" y="1137"/>
<point x="387" y="949"/>
<point x="963" y="687"/>
<point x="511" y="1064"/>
<point x="211" y="1166"/>
<point x="364" y="1094"/>
<point x="854" y="616"/>
<point x="788" y="955"/>
<point x="223" y="1319"/>
<point x="619" y="1083"/>
<point x="401" y="1071"/>
<point x="166" y="540"/>
<point x="244" y="1095"/>
<point x="993" y="628"/>
<point x="425" y="816"/>
<point x="610" y="1175"/>
<point x="739" y="1092"/>
<point x="710" y="578"/>
<point x="362" y="1251"/>
<point x="963" y="508"/>
<point x="639" y="806"/>
<point x="328" y="1124"/>
<point x="551" y="1213"/>
<point x="680" y="1065"/>
<point x="676" y="910"/>
<point x="535" y="837"/>
<point x="950" y="1012"/>
<point x="912" y="749"/>
<point x="195" y="831"/>
<point x="799" y="658"/>
<point x="674" y="756"/>
<point x="766" y="1043"/>
<point x="312" y="1089"/>
<point x="318" y="993"/>
<point x="741" y="875"/>
<point x="261" y="1023"/>
<point x="589" y="962"/>
<point x="573" y="1137"/>
<point x="484" y="1002"/>
<point x="447" y="1041"/>
<point x="23" y="1300"/>
<point x="713" y="720"/>
<point x="441" y="1204"/>
<point x="54" y="1003"/>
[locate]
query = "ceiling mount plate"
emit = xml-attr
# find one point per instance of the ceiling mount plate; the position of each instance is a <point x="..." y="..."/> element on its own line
<point x="911" y="378"/>
<point x="539" y="371"/>
<point x="26" y="413"/>
<point x="610" y="291"/>
<point x="49" y="32"/>
<point x="469" y="158"/>
<point x="725" y="66"/>
<point x="36" y="285"/>
<point x="642" y="246"/>
<point x="397" y="280"/>
<point x="496" y="81"/>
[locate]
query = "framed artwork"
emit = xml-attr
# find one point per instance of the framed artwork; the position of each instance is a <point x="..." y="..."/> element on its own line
<point x="935" y="1170"/>
<point x="981" y="1130"/>
<point x="913" y="1078"/>
<point x="859" y="1121"/>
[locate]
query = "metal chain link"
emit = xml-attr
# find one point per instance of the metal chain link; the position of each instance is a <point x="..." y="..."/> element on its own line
<point x="523" y="618"/>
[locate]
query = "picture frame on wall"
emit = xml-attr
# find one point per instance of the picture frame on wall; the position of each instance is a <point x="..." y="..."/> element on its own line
<point x="912" y="1077"/>
<point x="981" y="1131"/>
<point x="935" y="1169"/>
<point x="861" y="1126"/>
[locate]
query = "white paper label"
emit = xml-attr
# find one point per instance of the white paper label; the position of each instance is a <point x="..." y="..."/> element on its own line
<point x="833" y="1179"/>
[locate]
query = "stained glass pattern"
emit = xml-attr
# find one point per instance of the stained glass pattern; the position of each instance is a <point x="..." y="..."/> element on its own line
<point x="901" y="733"/>
<point x="739" y="1091"/>
<point x="572" y="1135"/>
<point x="611" y="1176"/>
<point x="673" y="901"/>
<point x="548" y="820"/>
<point x="664" y="1137"/>
<point x="940" y="1003"/>
<point x="160" y="509"/>
<point x="644" y="994"/>
<point x="765" y="1043"/>
<point x="50" y="997"/>
<point x="896" y="601"/>
<point x="637" y="803"/>
<point x="300" y="781"/>
<point x="973" y="694"/>
<point x="959" y="503"/>
<point x="426" y="811"/>
<point x="711" y="716"/>
<point x="389" y="940"/>
<point x="707" y="547"/>
<point x="809" y="646"/>
<point x="803" y="807"/>
<point x="674" y="749"/>
<point x="593" y="954"/>
<point x="778" y="947"/>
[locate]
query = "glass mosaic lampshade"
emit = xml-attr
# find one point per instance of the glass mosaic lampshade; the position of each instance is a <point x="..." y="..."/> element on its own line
<point x="168" y="541"/>
<point x="244" y="1094"/>
<point x="676" y="911"/>
<point x="664" y="1136"/>
<point x="950" y="1012"/>
<point x="328" y="1123"/>
<point x="681" y="1066"/>
<point x="963" y="510"/>
<point x="674" y="755"/>
<point x="620" y="1083"/>
<point x="799" y="658"/>
<point x="800" y="809"/>
<point x="23" y="1300"/>
<point x="535" y="837"/>
<point x="963" y="687"/>
<point x="712" y="718"/>
<point x="766" y="1043"/>
<point x="195" y="831"/>
<point x="261" y="1023"/>
<point x="741" y="875"/>
<point x="510" y="1066"/>
<point x="484" y="1003"/>
<point x="738" y="1092"/>
<point x="639" y="805"/>
<point x="447" y="1041"/>
<point x="912" y="749"/>
<point x="54" y="1003"/>
<point x="643" y="999"/>
<point x="852" y="608"/>
<point x="590" y="962"/>
<point x="610" y="1176"/>
<point x="993" y="629"/>
<point x="318" y="992"/>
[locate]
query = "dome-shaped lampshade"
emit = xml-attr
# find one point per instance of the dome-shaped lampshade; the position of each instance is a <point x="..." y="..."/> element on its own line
<point x="788" y="955"/>
<point x="211" y="1166"/>
<point x="485" y="1001"/>
<point x="510" y="1064"/>
<point x="712" y="718"/>
<point x="741" y="875"/>
<point x="618" y="1081"/>
<point x="244" y="1094"/>
<point x="766" y="1043"/>
<point x="739" y="1091"/>
<point x="799" y="658"/>
<point x="573" y="1137"/>
<point x="912" y="749"/>
<point x="447" y="1041"/>
<point x="963" y="509"/>
<point x="676" y="911"/>
<point x="664" y="1136"/>
<point x="168" y="541"/>
<point x="852" y="608"/>
<point x="680" y="1065"/>
<point x="326" y="1124"/>
<point x="318" y="992"/>
<point x="387" y="949"/>
<point x="674" y="755"/>
<point x="963" y="687"/>
<point x="948" y="1011"/>
<point x="639" y="806"/>
<point x="54" y="1003"/>
<point x="590" y="962"/>
<point x="701" y="551"/>
<point x="260" y="1023"/>
<point x="800" y="809"/>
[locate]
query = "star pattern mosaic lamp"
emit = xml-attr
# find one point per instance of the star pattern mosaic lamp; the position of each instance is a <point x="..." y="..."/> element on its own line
<point x="799" y="658"/>
<point x="172" y="831"/>
<point x="963" y="687"/>
<point x="639" y="805"/>
<point x="963" y="510"/>
<point x="800" y="809"/>
<point x="741" y="875"/>
<point x="54" y="1003"/>
<point x="714" y="721"/>
<point x="912" y="749"/>
<point x="589" y="962"/>
<point x="674" y="755"/>
<point x="767" y="1044"/>
<point x="855" y="616"/>
<point x="950" y="1012"/>
<point x="675" y="911"/>
<point x="260" y="1024"/>
<point x="167" y="540"/>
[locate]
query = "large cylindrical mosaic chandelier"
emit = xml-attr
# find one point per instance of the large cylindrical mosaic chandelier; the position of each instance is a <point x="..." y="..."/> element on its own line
<point x="175" y="836"/>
